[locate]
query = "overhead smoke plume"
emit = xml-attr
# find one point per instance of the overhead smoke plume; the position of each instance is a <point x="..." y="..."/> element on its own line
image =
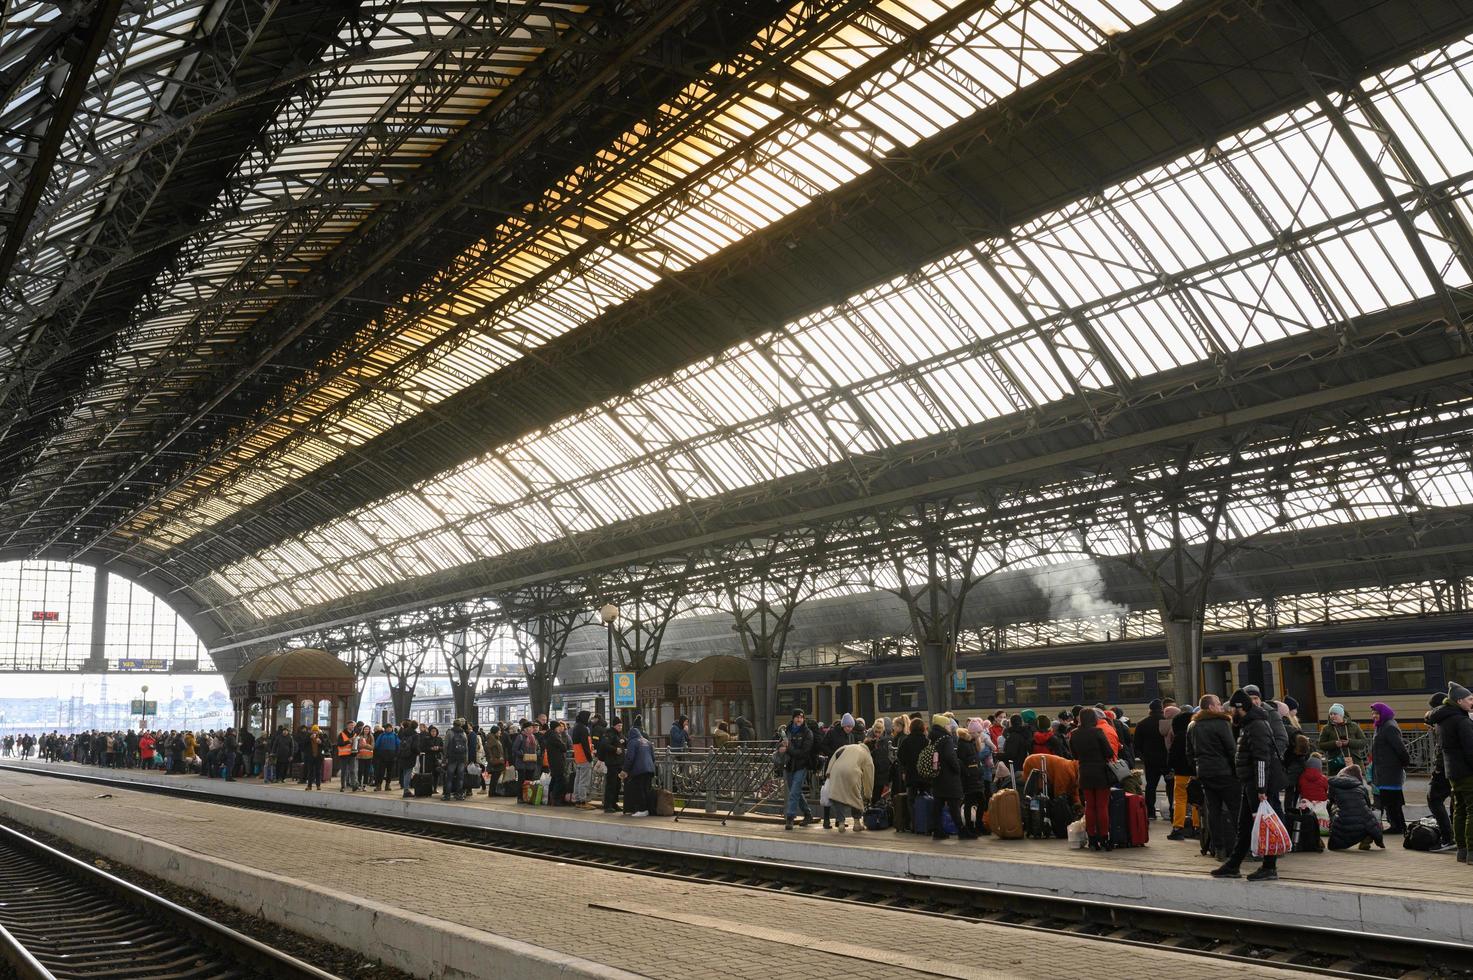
<point x="1075" y="590"/>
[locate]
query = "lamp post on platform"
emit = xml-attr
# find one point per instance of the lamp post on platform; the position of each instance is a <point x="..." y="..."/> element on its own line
<point x="609" y="614"/>
<point x="143" y="715"/>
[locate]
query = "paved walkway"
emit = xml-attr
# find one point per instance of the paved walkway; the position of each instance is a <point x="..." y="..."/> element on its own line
<point x="652" y="926"/>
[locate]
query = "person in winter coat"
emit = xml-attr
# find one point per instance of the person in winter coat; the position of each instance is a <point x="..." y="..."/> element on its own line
<point x="583" y="758"/>
<point x="796" y="754"/>
<point x="526" y="755"/>
<point x="385" y="755"/>
<point x="1341" y="741"/>
<point x="946" y="788"/>
<point x="1062" y="775"/>
<point x="1150" y="749"/>
<point x="312" y="755"/>
<point x="1439" y="790"/>
<point x="851" y="782"/>
<point x="1258" y="769"/>
<point x="974" y="790"/>
<point x="906" y="758"/>
<point x="1455" y="729"/>
<point x="1211" y="749"/>
<point x="433" y="749"/>
<point x="1045" y="740"/>
<point x="1182" y="774"/>
<point x="679" y="734"/>
<point x="1093" y="752"/>
<point x="555" y="747"/>
<point x="1017" y="743"/>
<point x="1352" y="821"/>
<point x="1313" y="787"/>
<point x="611" y="748"/>
<point x="1389" y="761"/>
<point x="745" y="730"/>
<point x="880" y="750"/>
<point x="835" y="738"/>
<point x="1294" y="764"/>
<point x="638" y="773"/>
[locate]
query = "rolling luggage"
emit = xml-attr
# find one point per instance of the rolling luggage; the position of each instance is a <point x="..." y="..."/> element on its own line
<point x="327" y="770"/>
<point x="1005" y="815"/>
<point x="422" y="783"/>
<point x="877" y="817"/>
<point x="1136" y="822"/>
<point x="923" y="814"/>
<point x="1119" y="819"/>
<point x="1035" y="817"/>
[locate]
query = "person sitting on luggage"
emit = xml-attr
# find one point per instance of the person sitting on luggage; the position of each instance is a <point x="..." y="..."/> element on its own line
<point x="1093" y="753"/>
<point x="946" y="787"/>
<point x="851" y="781"/>
<point x="1352" y="822"/>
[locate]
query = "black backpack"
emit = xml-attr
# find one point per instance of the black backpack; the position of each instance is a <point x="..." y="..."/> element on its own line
<point x="1421" y="837"/>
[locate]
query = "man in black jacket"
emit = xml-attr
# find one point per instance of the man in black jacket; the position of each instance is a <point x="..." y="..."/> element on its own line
<point x="796" y="752"/>
<point x="611" y="745"/>
<point x="1211" y="749"/>
<point x="1456" y="731"/>
<point x="1150" y="749"/>
<point x="1254" y="766"/>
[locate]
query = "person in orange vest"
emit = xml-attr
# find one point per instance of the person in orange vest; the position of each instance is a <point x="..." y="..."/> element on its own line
<point x="363" y="741"/>
<point x="583" y="759"/>
<point x="347" y="761"/>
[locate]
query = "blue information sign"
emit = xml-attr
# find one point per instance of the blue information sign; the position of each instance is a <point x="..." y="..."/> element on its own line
<point x="958" y="680"/>
<point x="624" y="690"/>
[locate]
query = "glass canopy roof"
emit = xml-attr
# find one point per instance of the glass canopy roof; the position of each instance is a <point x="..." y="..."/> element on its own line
<point x="734" y="153"/>
<point x="1276" y="231"/>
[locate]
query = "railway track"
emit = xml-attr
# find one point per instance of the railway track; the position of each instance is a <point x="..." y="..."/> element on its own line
<point x="62" y="918"/>
<point x="1311" y="949"/>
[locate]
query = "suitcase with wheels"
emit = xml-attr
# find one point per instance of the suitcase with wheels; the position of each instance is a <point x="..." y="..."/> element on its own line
<point x="1119" y="819"/>
<point x="1005" y="815"/>
<point x="1135" y="815"/>
<point x="327" y="770"/>
<point x="923" y="814"/>
<point x="422" y="783"/>
<point x="1035" y="817"/>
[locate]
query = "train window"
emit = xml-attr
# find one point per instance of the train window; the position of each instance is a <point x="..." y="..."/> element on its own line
<point x="791" y="699"/>
<point x="1164" y="686"/>
<point x="979" y="692"/>
<point x="1025" y="690"/>
<point x="1095" y="687"/>
<point x="1061" y="689"/>
<point x="1406" y="673"/>
<point x="899" y="697"/>
<point x="1132" y="684"/>
<point x="1352" y="674"/>
<point x="1457" y="667"/>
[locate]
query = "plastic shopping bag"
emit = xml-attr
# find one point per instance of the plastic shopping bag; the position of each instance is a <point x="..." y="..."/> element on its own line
<point x="823" y="794"/>
<point x="1078" y="836"/>
<point x="1270" y="836"/>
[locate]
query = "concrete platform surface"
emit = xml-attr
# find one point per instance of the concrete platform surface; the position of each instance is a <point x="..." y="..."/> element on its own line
<point x="1393" y="891"/>
<point x="642" y="925"/>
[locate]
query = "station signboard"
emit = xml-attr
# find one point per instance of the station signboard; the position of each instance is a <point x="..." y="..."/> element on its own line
<point x="958" y="680"/>
<point x="139" y="663"/>
<point x="45" y="616"/>
<point x="140" y="707"/>
<point x="624" y="689"/>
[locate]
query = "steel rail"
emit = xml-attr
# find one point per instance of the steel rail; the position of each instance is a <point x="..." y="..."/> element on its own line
<point x="1320" y="950"/>
<point x="82" y="918"/>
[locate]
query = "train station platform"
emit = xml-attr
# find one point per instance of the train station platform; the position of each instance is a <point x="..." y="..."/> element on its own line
<point x="1394" y="891"/>
<point x="437" y="910"/>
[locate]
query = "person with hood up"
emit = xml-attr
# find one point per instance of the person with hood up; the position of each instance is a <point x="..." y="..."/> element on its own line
<point x="946" y="788"/>
<point x="795" y="752"/>
<point x="833" y="740"/>
<point x="1439" y="790"/>
<point x="1455" y="729"/>
<point x="1093" y="752"/>
<point x="720" y="736"/>
<point x="1352" y="821"/>
<point x="1314" y="786"/>
<point x="745" y="730"/>
<point x="1211" y="750"/>
<point x="1258" y="770"/>
<point x="583" y="759"/>
<point x="1150" y="749"/>
<point x="1182" y="774"/>
<point x="679" y="734"/>
<point x="1341" y="741"/>
<point x="638" y="773"/>
<point x="851" y="783"/>
<point x="1389" y="761"/>
<point x="881" y="748"/>
<point x="1046" y="741"/>
<point x="457" y="757"/>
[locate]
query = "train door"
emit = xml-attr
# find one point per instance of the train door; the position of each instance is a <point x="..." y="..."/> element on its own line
<point x="866" y="701"/>
<point x="1217" y="678"/>
<point x="1296" y="680"/>
<point x="843" y="703"/>
<point x="825" y="707"/>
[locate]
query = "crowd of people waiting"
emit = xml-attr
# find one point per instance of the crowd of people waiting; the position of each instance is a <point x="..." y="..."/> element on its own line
<point x="1215" y="761"/>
